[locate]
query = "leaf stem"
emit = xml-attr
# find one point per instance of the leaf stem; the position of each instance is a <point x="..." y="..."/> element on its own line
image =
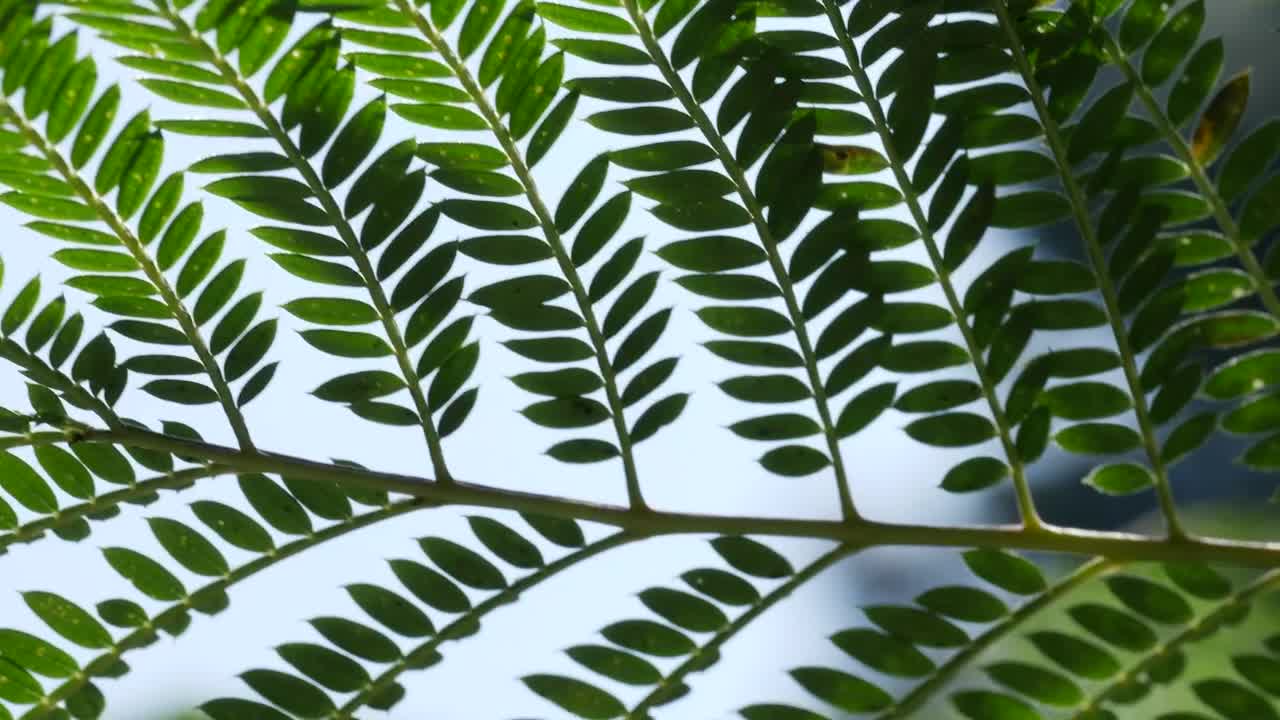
<point x="1195" y="631"/>
<point x="48" y="704"/>
<point x="383" y="308"/>
<point x="472" y="617"/>
<point x="697" y="659"/>
<point x="32" y="531"/>
<point x="1080" y="211"/>
<point x="1022" y="489"/>
<point x="136" y="249"/>
<point x="1199" y="176"/>
<point x="921" y="694"/>
<point x="754" y="209"/>
<point x="1123" y="547"/>
<point x="553" y="238"/>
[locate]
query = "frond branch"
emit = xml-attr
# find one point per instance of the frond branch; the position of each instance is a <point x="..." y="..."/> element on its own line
<point x="136" y="249"/>
<point x="473" y="616"/>
<point x="1026" y="503"/>
<point x="1123" y="547"/>
<point x="697" y="659"/>
<point x="376" y="294"/>
<point x="1080" y="212"/>
<point x="1221" y="213"/>
<point x="925" y="691"/>
<point x="776" y="265"/>
<point x="48" y="704"/>
<point x="39" y="371"/>
<point x="32" y="531"/>
<point x="1195" y="631"/>
<point x="551" y="233"/>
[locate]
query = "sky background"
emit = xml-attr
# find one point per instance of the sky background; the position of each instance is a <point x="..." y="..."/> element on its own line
<point x="696" y="464"/>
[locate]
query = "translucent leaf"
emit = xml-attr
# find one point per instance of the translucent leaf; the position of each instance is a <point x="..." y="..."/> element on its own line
<point x="233" y="526"/>
<point x="916" y="626"/>
<point x="1114" y="626"/>
<point x="25" y="485"/>
<point x="987" y="705"/>
<point x="68" y="619"/>
<point x="751" y="557"/>
<point x="1120" y="479"/>
<point x="974" y="474"/>
<point x="188" y="547"/>
<point x="276" y="506"/>
<point x="463" y="564"/>
<point x="684" y="610"/>
<point x="1233" y="700"/>
<point x="391" y="610"/>
<point x="359" y="640"/>
<point x="1006" y="571"/>
<point x="615" y="664"/>
<point x="575" y="696"/>
<point x="964" y="603"/>
<point x="1080" y="657"/>
<point x="650" y="638"/>
<point x="1097" y="438"/>
<point x="147" y="575"/>
<point x="1151" y="600"/>
<point x="292" y="693"/>
<point x="845" y="691"/>
<point x="583" y="19"/>
<point x="883" y="653"/>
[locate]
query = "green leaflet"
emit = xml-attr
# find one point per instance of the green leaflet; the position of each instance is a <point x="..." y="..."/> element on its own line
<point x="332" y="311"/>
<point x="575" y="696"/>
<point x="24" y="485"/>
<point x="583" y="19"/>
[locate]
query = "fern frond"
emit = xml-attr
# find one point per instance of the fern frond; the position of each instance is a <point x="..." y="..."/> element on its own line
<point x="100" y="507"/>
<point x="264" y="198"/>
<point x="533" y="100"/>
<point x="48" y="375"/>
<point x="1221" y="118"/>
<point x="1163" y="663"/>
<point x="73" y="472"/>
<point x="1103" y="272"/>
<point x="134" y="158"/>
<point x="671" y="686"/>
<point x="925" y="692"/>
<point x="911" y="109"/>
<point x="692" y="200"/>
<point x="153" y="580"/>
<point x="437" y="590"/>
<point x="1086" y="648"/>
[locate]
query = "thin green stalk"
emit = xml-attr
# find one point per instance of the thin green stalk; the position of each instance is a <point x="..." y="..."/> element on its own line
<point x="1195" y="631"/>
<point x="29" y="532"/>
<point x="1121" y="547"/>
<point x="752" y="205"/>
<point x="921" y="694"/>
<point x="48" y="705"/>
<point x="697" y="660"/>
<point x="32" y="439"/>
<point x="549" y="230"/>
<point x="1098" y="259"/>
<point x="472" y="617"/>
<point x="1199" y="175"/>
<point x="1026" y="502"/>
<point x="383" y="308"/>
<point x="136" y="249"/>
